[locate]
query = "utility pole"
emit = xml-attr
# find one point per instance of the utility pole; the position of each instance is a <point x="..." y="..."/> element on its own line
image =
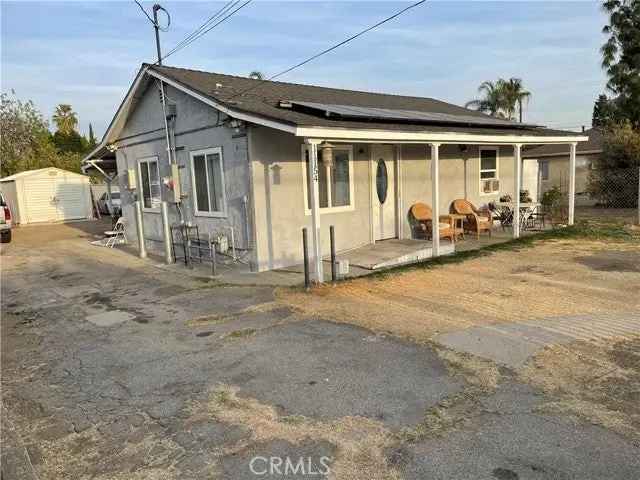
<point x="157" y="7"/>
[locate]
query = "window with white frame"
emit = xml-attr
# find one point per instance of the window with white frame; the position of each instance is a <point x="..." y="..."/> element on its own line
<point x="207" y="174"/>
<point x="489" y="180"/>
<point x="149" y="182"/>
<point x="335" y="179"/>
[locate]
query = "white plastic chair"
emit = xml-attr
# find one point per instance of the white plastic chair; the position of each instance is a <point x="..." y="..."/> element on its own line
<point x="118" y="233"/>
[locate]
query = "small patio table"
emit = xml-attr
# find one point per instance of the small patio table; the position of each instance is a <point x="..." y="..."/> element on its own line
<point x="505" y="209"/>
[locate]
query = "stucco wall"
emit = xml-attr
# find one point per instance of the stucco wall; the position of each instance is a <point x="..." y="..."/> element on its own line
<point x="279" y="202"/>
<point x="559" y="172"/>
<point x="279" y="192"/>
<point x="144" y="136"/>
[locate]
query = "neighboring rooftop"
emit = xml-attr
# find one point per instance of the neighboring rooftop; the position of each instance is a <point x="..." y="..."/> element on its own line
<point x="304" y="105"/>
<point x="594" y="145"/>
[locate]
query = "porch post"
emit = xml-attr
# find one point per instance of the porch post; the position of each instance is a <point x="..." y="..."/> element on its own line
<point x="435" y="199"/>
<point x="315" y="210"/>
<point x="398" y="199"/>
<point x="517" y="179"/>
<point x="572" y="183"/>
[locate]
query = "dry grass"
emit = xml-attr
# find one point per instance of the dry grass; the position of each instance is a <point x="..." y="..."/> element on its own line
<point x="598" y="382"/>
<point x="360" y="442"/>
<point x="480" y="373"/>
<point x="545" y="280"/>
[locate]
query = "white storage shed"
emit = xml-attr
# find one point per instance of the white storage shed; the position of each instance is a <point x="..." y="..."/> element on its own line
<point x="47" y="195"/>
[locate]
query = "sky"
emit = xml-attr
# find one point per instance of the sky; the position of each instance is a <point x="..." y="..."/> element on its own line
<point x="87" y="53"/>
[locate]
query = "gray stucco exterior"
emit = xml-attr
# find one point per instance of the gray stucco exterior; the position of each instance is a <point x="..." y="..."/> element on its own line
<point x="265" y="184"/>
<point x="198" y="126"/>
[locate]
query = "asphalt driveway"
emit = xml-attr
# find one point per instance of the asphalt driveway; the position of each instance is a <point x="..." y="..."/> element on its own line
<point x="112" y="368"/>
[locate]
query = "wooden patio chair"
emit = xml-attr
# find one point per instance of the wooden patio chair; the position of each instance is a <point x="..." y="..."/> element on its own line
<point x="477" y="221"/>
<point x="423" y="215"/>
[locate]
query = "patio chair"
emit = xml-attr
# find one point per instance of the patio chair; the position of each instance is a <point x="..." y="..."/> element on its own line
<point x="423" y="215"/>
<point x="477" y="221"/>
<point x="117" y="234"/>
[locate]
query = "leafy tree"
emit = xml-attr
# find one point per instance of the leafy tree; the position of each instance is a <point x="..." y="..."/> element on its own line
<point x="92" y="141"/>
<point x="25" y="136"/>
<point x="27" y="143"/>
<point x="614" y="180"/>
<point x="69" y="142"/>
<point x="65" y="118"/>
<point x="621" y="56"/>
<point x="604" y="112"/>
<point x="256" y="75"/>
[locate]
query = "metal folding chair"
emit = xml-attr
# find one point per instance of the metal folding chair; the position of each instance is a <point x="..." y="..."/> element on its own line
<point x="117" y="234"/>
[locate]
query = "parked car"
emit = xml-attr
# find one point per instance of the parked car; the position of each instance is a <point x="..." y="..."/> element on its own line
<point x="103" y="204"/>
<point x="5" y="220"/>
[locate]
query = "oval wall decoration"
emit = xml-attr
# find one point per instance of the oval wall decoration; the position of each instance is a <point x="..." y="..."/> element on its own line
<point x="382" y="180"/>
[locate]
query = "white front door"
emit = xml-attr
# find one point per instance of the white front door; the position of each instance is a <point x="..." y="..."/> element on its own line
<point x="384" y="192"/>
<point x="530" y="178"/>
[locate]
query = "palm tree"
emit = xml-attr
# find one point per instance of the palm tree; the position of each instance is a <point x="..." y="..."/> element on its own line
<point x="256" y="75"/>
<point x="514" y="94"/>
<point x="65" y="118"/>
<point x="501" y="98"/>
<point x="491" y="101"/>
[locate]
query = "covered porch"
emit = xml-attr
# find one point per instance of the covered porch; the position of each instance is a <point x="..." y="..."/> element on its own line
<point x="403" y="247"/>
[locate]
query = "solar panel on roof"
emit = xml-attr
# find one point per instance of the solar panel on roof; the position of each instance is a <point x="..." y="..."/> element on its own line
<point x="375" y="113"/>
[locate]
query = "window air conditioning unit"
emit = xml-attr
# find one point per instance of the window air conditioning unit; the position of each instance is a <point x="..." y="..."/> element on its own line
<point x="490" y="185"/>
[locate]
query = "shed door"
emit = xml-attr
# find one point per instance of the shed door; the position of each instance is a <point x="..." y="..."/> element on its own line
<point x="71" y="198"/>
<point x="40" y="199"/>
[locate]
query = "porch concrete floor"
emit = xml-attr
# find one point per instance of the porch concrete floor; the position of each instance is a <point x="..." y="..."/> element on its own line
<point x="391" y="253"/>
<point x="362" y="260"/>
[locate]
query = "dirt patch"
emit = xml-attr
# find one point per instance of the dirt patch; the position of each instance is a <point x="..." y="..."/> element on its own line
<point x="544" y="280"/>
<point x="599" y="382"/>
<point x="360" y="442"/>
<point x="609" y="261"/>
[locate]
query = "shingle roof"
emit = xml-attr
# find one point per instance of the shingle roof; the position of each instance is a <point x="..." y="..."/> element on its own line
<point x="593" y="145"/>
<point x="265" y="97"/>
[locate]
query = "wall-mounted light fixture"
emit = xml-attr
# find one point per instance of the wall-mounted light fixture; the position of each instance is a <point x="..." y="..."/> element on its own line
<point x="327" y="153"/>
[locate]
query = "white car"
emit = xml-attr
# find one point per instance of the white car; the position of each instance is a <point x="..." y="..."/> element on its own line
<point x="103" y="204"/>
<point x="5" y="220"/>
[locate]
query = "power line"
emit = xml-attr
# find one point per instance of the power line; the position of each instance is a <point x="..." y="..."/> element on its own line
<point x="145" y="12"/>
<point x="330" y="49"/>
<point x="217" y="14"/>
<point x="204" y="32"/>
<point x="153" y="22"/>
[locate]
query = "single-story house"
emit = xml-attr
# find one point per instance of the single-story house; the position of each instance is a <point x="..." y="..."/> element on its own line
<point x="549" y="165"/>
<point x="47" y="195"/>
<point x="268" y="158"/>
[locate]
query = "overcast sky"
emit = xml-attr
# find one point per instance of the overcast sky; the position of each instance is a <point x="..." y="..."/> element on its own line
<point x="87" y="53"/>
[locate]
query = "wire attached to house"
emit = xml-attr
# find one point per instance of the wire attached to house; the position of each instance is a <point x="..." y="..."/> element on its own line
<point x="330" y="49"/>
<point x="208" y="29"/>
<point x="230" y="4"/>
<point x="163" y="29"/>
<point x="145" y="12"/>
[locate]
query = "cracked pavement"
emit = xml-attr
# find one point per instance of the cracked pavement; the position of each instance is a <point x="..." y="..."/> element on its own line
<point x="139" y="398"/>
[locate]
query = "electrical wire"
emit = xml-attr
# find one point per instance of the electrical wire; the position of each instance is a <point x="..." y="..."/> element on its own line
<point x="207" y="30"/>
<point x="164" y="29"/>
<point x="145" y="12"/>
<point x="330" y="49"/>
<point x="213" y="17"/>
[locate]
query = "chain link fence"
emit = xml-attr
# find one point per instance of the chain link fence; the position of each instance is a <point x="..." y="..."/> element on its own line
<point x="611" y="195"/>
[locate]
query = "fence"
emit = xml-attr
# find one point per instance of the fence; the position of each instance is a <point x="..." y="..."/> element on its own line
<point x="610" y="195"/>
